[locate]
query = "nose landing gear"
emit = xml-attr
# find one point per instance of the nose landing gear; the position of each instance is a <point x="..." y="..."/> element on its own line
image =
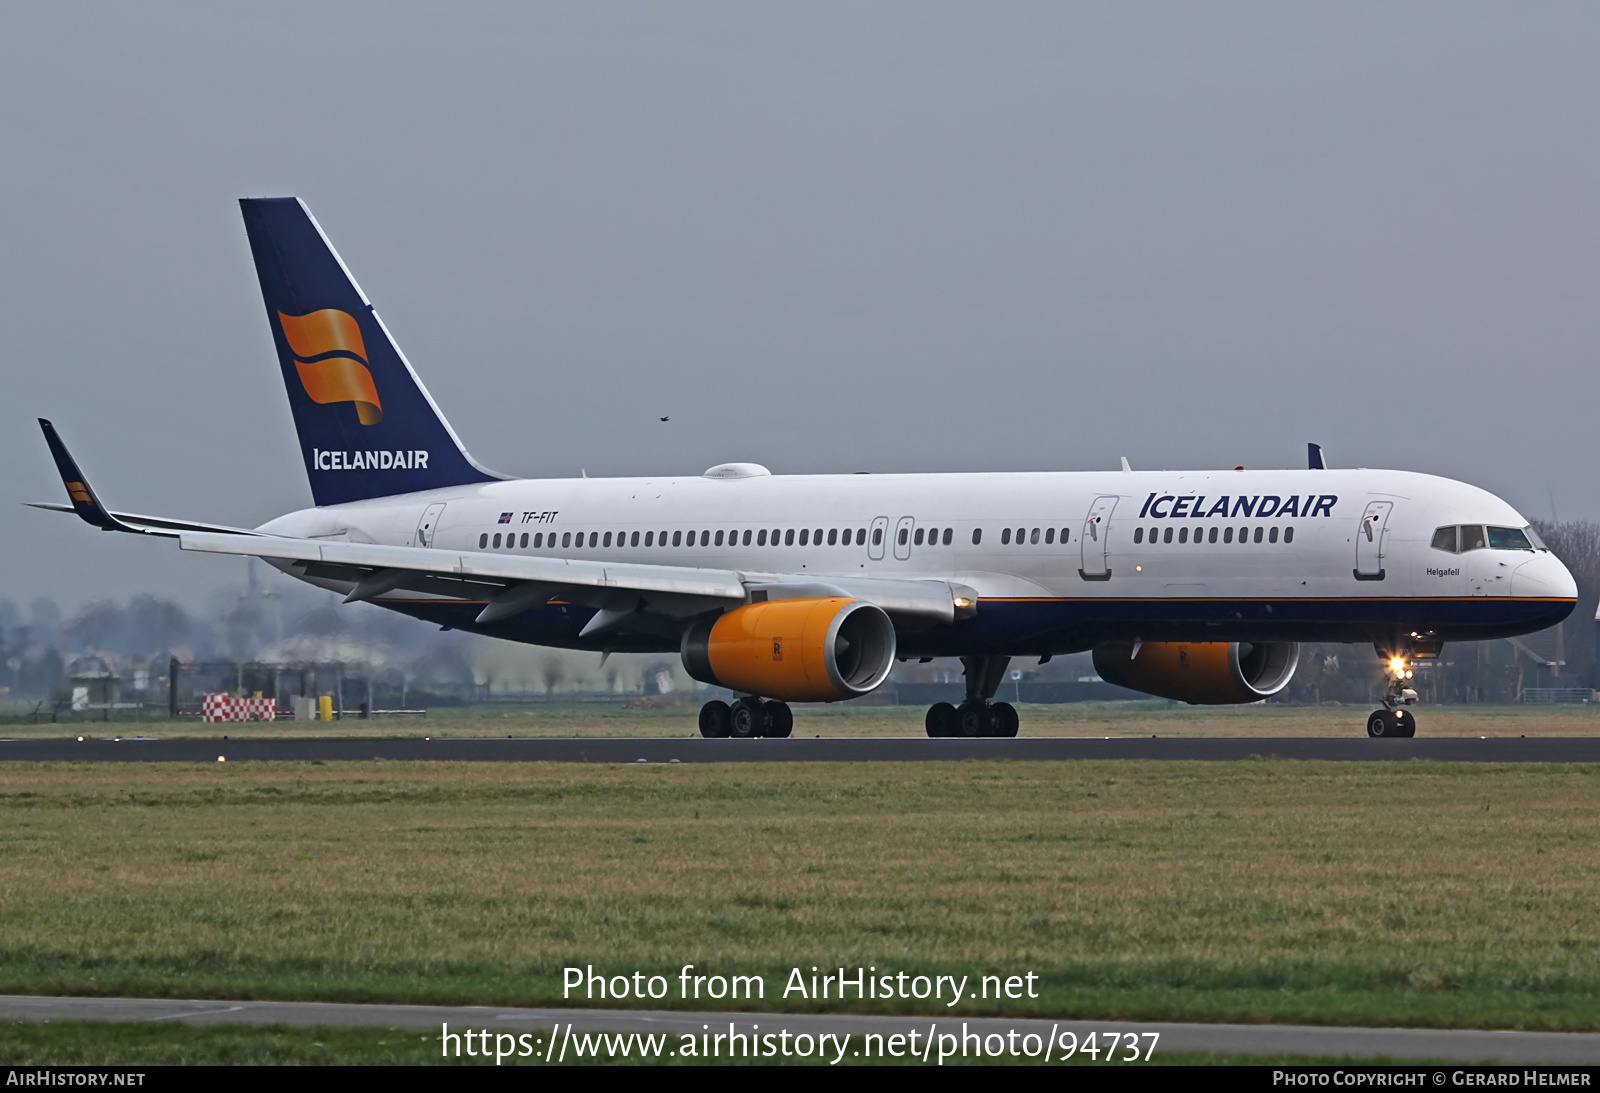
<point x="1393" y="720"/>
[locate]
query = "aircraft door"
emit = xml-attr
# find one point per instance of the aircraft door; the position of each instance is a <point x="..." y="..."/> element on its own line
<point x="875" y="538"/>
<point x="428" y="525"/>
<point x="902" y="537"/>
<point x="1370" y="542"/>
<point x="1094" y="544"/>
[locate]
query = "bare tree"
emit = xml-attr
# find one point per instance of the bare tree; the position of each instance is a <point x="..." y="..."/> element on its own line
<point x="1577" y="544"/>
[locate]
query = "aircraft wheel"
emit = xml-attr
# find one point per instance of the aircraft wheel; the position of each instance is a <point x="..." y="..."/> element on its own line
<point x="1006" y="721"/>
<point x="1407" y="723"/>
<point x="941" y="720"/>
<point x="748" y="719"/>
<point x="974" y="719"/>
<point x="1389" y="724"/>
<point x="780" y="719"/>
<point x="714" y="719"/>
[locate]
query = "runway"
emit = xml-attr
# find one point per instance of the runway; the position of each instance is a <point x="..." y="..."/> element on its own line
<point x="1455" y="1045"/>
<point x="810" y="750"/>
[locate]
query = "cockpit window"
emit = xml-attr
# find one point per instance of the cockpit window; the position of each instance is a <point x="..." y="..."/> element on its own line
<point x="1508" y="539"/>
<point x="1472" y="537"/>
<point x="1533" y="537"/>
<point x="1445" y="539"/>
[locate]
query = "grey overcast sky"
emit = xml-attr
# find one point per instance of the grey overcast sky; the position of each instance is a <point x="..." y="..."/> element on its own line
<point x="824" y="237"/>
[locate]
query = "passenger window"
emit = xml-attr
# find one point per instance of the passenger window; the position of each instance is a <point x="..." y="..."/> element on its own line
<point x="746" y="536"/>
<point x="833" y="536"/>
<point x="649" y="538"/>
<point x="816" y="537"/>
<point x="805" y="536"/>
<point x="788" y="537"/>
<point x="1033" y="539"/>
<point x="634" y="539"/>
<point x="1445" y="539"/>
<point x="861" y="536"/>
<point x="662" y="539"/>
<point x="1065" y="532"/>
<point x="1049" y="536"/>
<point x="917" y="539"/>
<point x="761" y="538"/>
<point x="977" y="536"/>
<point x="511" y="542"/>
<point x="1227" y="535"/>
<point x="524" y="541"/>
<point x="608" y="539"/>
<point x="538" y="540"/>
<point x="497" y="540"/>
<point x="1183" y="535"/>
<point x="775" y="534"/>
<point x="1272" y="536"/>
<point x="1258" y="535"/>
<point x="594" y="538"/>
<point x="1244" y="535"/>
<point x="677" y="538"/>
<point x="1472" y="538"/>
<point x="1213" y="536"/>
<point x="1167" y="536"/>
<point x="947" y="536"/>
<point x="483" y="540"/>
<point x="566" y="539"/>
<point x="1288" y="535"/>
<point x="1138" y="535"/>
<point x="719" y="538"/>
<point x="1021" y="532"/>
<point x="1005" y="536"/>
<point x="1508" y="539"/>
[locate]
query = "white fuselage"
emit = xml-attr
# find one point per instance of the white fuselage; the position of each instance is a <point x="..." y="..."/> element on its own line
<point x="1157" y="550"/>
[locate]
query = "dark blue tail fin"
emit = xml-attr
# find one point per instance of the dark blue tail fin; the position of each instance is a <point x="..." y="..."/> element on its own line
<point x="367" y="425"/>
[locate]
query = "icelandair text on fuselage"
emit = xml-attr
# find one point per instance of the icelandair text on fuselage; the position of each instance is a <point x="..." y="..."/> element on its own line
<point x="849" y="985"/>
<point x="406" y="460"/>
<point x="1166" y="506"/>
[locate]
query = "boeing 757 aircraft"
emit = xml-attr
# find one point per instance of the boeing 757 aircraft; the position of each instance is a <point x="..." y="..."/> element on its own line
<point x="1192" y="585"/>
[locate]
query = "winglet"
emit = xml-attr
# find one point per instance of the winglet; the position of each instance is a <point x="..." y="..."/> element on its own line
<point x="1314" y="459"/>
<point x="84" y="501"/>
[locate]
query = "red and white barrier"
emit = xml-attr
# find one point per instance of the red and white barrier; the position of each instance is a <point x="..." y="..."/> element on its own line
<point x="228" y="707"/>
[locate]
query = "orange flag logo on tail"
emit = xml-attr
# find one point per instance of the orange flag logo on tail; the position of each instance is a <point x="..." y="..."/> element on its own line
<point x="332" y="360"/>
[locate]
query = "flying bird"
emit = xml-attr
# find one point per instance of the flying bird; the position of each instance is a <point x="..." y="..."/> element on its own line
<point x="665" y="419"/>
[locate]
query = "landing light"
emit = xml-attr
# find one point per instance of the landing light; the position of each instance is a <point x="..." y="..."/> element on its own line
<point x="965" y="601"/>
<point x="1397" y="665"/>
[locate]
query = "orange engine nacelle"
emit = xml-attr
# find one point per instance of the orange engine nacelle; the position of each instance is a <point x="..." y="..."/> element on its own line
<point x="810" y="650"/>
<point x="1210" y="673"/>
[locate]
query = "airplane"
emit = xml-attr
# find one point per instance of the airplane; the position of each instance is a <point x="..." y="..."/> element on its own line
<point x="1195" y="585"/>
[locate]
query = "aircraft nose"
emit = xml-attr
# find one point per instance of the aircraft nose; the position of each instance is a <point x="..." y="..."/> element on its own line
<point x="1544" y="575"/>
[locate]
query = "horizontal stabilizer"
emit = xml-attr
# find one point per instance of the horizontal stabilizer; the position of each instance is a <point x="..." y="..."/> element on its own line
<point x="152" y="525"/>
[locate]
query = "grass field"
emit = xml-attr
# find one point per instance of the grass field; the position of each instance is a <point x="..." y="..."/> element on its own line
<point x="1416" y="893"/>
<point x="1067" y="719"/>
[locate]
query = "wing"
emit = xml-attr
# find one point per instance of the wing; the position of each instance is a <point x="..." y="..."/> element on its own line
<point x="624" y="594"/>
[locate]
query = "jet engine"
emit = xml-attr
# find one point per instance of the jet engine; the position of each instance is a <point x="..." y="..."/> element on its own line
<point x="1211" y="673"/>
<point x="800" y="650"/>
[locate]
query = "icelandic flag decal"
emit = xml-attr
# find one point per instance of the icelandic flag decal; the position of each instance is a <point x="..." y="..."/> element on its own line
<point x="505" y="518"/>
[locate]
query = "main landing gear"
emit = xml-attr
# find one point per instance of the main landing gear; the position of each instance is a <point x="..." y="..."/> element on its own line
<point x="977" y="716"/>
<point x="746" y="718"/>
<point x="1393" y="720"/>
